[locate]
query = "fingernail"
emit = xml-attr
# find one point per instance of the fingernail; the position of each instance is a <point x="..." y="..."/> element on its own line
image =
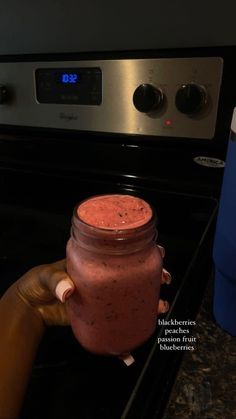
<point x="166" y="307"/>
<point x="128" y="359"/>
<point x="163" y="307"/>
<point x="162" y="250"/>
<point x="63" y="290"/>
<point x="166" y="277"/>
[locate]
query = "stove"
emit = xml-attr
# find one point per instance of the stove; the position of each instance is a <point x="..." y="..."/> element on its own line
<point x="154" y="124"/>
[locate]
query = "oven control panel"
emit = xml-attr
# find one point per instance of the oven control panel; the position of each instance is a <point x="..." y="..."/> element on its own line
<point x="70" y="86"/>
<point x="159" y="97"/>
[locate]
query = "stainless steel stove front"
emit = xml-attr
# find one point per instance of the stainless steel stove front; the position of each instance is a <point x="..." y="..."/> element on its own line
<point x="168" y="97"/>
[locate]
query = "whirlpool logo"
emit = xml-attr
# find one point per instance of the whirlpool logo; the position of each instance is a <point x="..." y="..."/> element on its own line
<point x="68" y="116"/>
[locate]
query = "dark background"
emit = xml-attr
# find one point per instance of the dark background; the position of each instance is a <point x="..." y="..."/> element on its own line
<point x="102" y="25"/>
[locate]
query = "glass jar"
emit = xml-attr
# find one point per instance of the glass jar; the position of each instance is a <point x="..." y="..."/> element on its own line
<point x="117" y="274"/>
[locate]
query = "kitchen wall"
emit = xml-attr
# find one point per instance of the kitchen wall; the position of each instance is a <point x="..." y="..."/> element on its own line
<point x="35" y="26"/>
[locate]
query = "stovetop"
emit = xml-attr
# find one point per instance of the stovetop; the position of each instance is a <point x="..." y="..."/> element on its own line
<point x="66" y="380"/>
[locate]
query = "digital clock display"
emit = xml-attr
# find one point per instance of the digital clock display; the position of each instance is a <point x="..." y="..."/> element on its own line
<point x="69" y="78"/>
<point x="69" y="85"/>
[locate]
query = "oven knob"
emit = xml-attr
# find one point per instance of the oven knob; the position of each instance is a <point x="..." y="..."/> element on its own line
<point x="147" y="98"/>
<point x="3" y="94"/>
<point x="190" y="98"/>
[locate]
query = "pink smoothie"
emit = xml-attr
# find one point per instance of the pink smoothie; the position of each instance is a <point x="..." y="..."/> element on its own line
<point x="118" y="212"/>
<point x="113" y="309"/>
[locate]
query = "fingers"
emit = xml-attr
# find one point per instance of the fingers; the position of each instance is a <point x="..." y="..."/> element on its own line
<point x="162" y="251"/>
<point x="165" y="277"/>
<point x="163" y="307"/>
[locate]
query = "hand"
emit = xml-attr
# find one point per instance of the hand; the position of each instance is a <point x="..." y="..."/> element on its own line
<point x="45" y="288"/>
<point x="32" y="302"/>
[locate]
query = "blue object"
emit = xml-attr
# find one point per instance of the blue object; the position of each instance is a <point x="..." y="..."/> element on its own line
<point x="224" y="252"/>
<point x="69" y="78"/>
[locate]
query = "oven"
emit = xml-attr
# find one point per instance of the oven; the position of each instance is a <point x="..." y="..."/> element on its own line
<point x="154" y="124"/>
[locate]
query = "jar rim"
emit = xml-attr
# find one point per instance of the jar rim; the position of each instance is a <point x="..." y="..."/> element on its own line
<point x="103" y="230"/>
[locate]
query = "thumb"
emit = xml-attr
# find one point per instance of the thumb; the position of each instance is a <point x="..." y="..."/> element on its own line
<point x="56" y="279"/>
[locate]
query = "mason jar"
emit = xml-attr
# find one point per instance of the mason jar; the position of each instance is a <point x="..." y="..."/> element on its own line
<point x="117" y="270"/>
